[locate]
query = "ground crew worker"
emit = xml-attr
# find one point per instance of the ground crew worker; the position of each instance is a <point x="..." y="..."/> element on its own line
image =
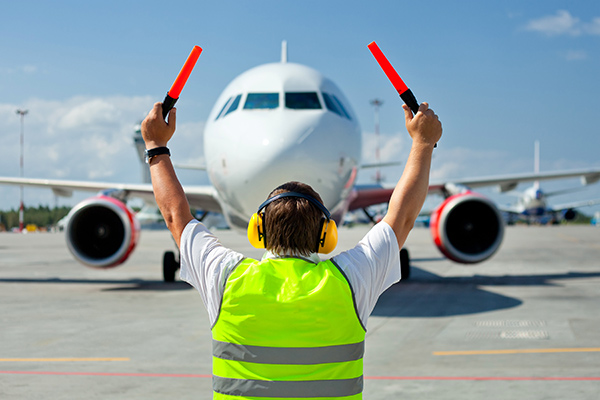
<point x="291" y="325"/>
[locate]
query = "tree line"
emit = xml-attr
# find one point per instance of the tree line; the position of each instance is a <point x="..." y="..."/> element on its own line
<point x="42" y="216"/>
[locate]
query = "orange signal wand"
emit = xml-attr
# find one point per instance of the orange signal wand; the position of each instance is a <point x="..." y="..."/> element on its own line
<point x="173" y="94"/>
<point x="405" y="93"/>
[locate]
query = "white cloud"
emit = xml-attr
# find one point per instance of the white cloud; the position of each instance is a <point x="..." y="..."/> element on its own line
<point x="447" y="164"/>
<point x="576" y="55"/>
<point x="87" y="114"/>
<point x="29" y="69"/>
<point x="593" y="28"/>
<point x="460" y="162"/>
<point x="82" y="138"/>
<point x="563" y="23"/>
<point x="390" y="147"/>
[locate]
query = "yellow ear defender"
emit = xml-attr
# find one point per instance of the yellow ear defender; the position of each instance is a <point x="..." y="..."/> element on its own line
<point x="256" y="234"/>
<point x="328" y="236"/>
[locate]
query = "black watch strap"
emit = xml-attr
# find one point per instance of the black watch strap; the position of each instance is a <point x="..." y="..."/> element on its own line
<point x="156" y="152"/>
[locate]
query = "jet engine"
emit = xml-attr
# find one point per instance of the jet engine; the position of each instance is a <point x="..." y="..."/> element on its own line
<point x="569" y="214"/>
<point x="102" y="232"/>
<point x="467" y="228"/>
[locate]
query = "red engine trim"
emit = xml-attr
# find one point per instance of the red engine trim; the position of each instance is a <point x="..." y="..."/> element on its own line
<point x="443" y="238"/>
<point x="83" y="240"/>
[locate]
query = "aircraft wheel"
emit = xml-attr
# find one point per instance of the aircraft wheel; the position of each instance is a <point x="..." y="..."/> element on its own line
<point x="404" y="264"/>
<point x="170" y="266"/>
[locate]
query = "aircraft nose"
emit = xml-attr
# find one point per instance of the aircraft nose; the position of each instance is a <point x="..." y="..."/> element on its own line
<point x="539" y="194"/>
<point x="297" y="146"/>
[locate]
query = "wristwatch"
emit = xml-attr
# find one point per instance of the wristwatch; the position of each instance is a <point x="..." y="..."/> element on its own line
<point x="151" y="153"/>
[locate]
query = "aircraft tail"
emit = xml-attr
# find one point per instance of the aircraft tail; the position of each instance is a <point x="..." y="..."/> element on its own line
<point x="536" y="162"/>
<point x="284" y="54"/>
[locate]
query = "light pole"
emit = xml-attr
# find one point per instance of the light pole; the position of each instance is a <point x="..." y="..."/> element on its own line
<point x="377" y="103"/>
<point x="22" y="113"/>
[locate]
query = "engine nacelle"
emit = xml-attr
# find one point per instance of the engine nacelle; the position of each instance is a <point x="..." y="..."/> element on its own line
<point x="467" y="228"/>
<point x="102" y="232"/>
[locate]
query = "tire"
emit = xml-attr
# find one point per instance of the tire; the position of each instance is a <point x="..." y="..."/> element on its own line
<point x="170" y="266"/>
<point x="404" y="264"/>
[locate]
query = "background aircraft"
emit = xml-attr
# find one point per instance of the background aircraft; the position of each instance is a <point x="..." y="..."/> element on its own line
<point x="532" y="204"/>
<point x="275" y="123"/>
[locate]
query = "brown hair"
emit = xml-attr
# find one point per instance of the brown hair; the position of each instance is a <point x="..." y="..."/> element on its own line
<point x="293" y="224"/>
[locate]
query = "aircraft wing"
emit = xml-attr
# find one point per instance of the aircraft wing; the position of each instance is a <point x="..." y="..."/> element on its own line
<point x="509" y="209"/>
<point x="575" y="204"/>
<point x="509" y="182"/>
<point x="367" y="195"/>
<point x="200" y="197"/>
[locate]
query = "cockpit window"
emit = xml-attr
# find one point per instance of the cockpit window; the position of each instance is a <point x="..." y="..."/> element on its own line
<point x="331" y="105"/>
<point x="302" y="100"/>
<point x="341" y="106"/>
<point x="261" y="101"/>
<point x="234" y="104"/>
<point x="223" y="109"/>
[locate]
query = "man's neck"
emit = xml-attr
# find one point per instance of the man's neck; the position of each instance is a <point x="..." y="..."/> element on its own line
<point x="313" y="257"/>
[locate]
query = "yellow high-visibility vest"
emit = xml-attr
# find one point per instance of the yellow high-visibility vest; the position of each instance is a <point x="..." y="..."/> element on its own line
<point x="287" y="329"/>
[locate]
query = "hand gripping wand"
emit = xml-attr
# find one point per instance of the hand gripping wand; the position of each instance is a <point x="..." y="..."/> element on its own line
<point x="405" y="93"/>
<point x="173" y="94"/>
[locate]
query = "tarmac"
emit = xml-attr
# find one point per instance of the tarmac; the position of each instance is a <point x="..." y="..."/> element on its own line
<point x="525" y="324"/>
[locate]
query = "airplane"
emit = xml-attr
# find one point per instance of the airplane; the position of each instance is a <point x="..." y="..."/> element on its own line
<point x="274" y="123"/>
<point x="532" y="204"/>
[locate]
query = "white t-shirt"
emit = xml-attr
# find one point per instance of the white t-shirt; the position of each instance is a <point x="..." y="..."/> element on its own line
<point x="371" y="267"/>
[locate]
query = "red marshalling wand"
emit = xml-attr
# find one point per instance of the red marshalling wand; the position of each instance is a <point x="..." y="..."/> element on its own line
<point x="173" y="94"/>
<point x="404" y="92"/>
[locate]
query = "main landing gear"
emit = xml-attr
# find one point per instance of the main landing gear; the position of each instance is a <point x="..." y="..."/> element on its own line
<point x="404" y="264"/>
<point x="170" y="266"/>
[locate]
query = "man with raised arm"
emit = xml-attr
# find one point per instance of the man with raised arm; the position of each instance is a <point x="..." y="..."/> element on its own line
<point x="291" y="325"/>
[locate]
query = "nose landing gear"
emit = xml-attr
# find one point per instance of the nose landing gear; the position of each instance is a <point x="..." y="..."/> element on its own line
<point x="170" y="266"/>
<point x="404" y="264"/>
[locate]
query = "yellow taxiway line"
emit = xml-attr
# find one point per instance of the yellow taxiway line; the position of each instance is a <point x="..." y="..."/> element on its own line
<point x="516" y="351"/>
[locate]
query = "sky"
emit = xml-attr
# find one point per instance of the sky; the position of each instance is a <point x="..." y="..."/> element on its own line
<point x="500" y="75"/>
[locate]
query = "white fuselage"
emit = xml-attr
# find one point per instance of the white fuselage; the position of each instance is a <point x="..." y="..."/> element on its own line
<point x="533" y="202"/>
<point x="276" y="123"/>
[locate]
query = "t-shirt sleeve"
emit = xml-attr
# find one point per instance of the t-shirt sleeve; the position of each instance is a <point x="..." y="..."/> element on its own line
<point x="371" y="267"/>
<point x="205" y="264"/>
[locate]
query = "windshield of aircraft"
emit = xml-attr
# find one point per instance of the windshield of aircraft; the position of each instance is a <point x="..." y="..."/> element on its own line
<point x="293" y="100"/>
<point x="223" y="109"/>
<point x="333" y="104"/>
<point x="302" y="100"/>
<point x="234" y="105"/>
<point x="261" y="101"/>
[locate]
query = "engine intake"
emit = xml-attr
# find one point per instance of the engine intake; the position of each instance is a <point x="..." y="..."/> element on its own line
<point x="102" y="232"/>
<point x="467" y="228"/>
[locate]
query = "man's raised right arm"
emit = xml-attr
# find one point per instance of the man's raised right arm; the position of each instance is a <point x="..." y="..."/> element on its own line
<point x="411" y="190"/>
<point x="168" y="192"/>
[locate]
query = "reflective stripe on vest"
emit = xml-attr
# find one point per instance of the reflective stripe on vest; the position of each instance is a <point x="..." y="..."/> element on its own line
<point x="288" y="389"/>
<point x="287" y="328"/>
<point x="289" y="355"/>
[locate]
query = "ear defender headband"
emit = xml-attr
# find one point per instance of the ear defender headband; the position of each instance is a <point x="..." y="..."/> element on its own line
<point x="328" y="235"/>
